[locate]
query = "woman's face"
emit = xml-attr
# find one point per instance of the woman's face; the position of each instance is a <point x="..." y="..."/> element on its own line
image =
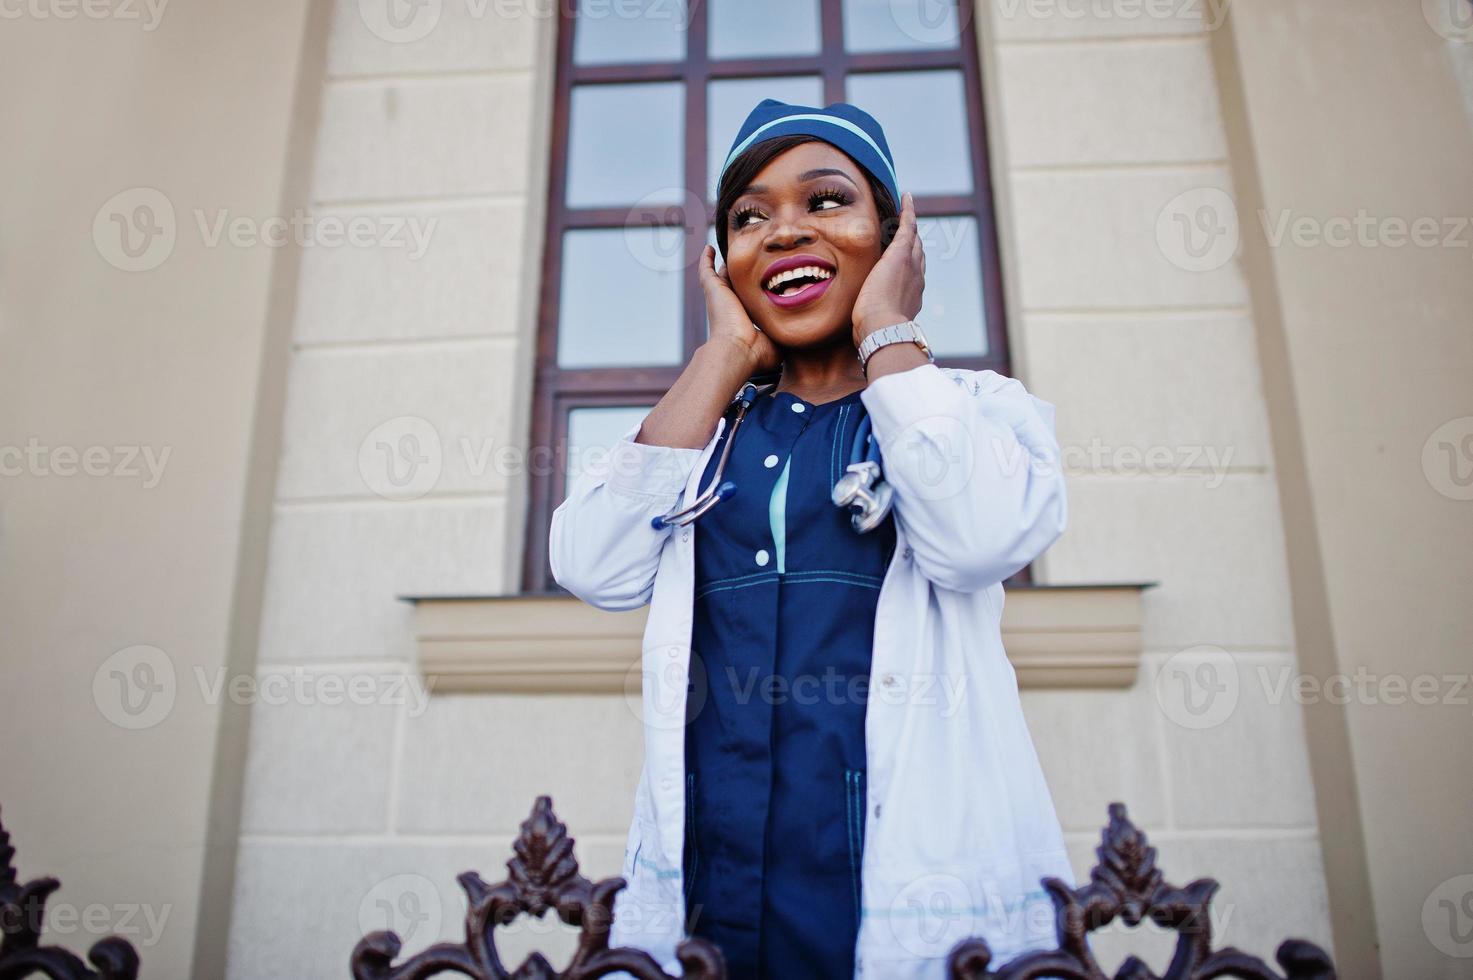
<point x="809" y="207"/>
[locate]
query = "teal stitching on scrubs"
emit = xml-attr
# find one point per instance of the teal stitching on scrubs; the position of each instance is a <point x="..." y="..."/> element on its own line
<point x="834" y="575"/>
<point x="736" y="582"/>
<point x="851" y="780"/>
<point x="777" y="516"/>
<point x="834" y="449"/>
<point x="690" y="825"/>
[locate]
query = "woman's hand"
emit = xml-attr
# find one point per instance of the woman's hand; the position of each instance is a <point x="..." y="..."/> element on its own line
<point x="729" y="319"/>
<point x="892" y="291"/>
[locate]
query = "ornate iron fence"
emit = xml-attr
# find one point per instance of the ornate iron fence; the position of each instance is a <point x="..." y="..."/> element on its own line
<point x="543" y="876"/>
<point x="22" y="914"/>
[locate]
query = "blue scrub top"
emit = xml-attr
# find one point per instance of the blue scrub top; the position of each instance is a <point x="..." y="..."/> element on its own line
<point x="782" y="635"/>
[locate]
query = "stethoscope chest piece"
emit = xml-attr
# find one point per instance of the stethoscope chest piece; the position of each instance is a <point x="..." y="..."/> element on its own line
<point x="868" y="497"/>
<point x="861" y="490"/>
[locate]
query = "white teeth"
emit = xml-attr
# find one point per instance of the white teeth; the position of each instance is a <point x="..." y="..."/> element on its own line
<point x="807" y="270"/>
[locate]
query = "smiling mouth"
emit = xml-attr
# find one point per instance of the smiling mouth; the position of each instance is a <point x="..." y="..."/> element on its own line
<point x="794" y="281"/>
<point x="798" y="287"/>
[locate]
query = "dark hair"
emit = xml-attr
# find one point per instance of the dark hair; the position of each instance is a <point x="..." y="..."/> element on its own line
<point x="745" y="167"/>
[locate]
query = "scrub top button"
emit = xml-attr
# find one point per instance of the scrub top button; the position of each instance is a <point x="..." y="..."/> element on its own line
<point x="762" y="557"/>
<point x="799" y="407"/>
<point x="770" y="461"/>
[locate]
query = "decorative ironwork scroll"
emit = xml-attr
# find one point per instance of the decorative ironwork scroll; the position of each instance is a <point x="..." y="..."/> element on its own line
<point x="22" y="916"/>
<point x="1126" y="883"/>
<point x="543" y="874"/>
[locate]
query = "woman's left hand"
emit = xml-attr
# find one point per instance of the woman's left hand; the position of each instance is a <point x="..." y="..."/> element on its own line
<point x="892" y="291"/>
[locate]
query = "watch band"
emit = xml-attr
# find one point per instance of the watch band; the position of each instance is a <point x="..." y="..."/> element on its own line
<point x="897" y="333"/>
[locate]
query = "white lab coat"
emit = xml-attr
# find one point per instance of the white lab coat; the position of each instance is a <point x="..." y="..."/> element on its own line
<point x="960" y="825"/>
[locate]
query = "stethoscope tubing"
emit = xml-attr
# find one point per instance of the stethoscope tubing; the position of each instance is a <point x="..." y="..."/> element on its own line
<point x="864" y="447"/>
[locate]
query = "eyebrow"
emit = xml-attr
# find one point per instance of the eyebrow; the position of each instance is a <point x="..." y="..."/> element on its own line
<point x="803" y="178"/>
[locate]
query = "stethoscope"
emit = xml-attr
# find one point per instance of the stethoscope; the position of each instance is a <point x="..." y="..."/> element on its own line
<point x="861" y="489"/>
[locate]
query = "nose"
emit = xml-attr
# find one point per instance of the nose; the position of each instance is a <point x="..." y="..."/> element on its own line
<point x="789" y="229"/>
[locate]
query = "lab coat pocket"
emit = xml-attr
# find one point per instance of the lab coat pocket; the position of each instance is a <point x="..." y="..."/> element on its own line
<point x="854" y="804"/>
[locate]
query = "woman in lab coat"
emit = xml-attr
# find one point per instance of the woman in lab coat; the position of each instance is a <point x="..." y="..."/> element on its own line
<point x="837" y="773"/>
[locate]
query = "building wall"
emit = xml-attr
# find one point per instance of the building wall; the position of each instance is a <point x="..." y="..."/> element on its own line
<point x="364" y="812"/>
<point x="1362" y="112"/>
<point x="110" y="564"/>
<point x="1111" y="127"/>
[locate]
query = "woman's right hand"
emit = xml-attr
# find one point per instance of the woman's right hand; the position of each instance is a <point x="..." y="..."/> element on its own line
<point x="729" y="319"/>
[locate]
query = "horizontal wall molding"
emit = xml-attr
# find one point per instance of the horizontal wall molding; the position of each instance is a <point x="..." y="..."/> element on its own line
<point x="1075" y="636"/>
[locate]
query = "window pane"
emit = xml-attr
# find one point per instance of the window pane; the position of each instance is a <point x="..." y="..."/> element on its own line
<point x="900" y="25"/>
<point x="625" y="144"/>
<point x="924" y="114"/>
<point x="729" y="100"/>
<point x="629" y="30"/>
<point x="952" y="312"/>
<point x="763" y="28"/>
<point x="620" y="297"/>
<point x="591" y="431"/>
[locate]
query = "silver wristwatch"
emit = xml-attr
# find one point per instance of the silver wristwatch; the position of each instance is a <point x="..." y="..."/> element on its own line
<point x="898" y="333"/>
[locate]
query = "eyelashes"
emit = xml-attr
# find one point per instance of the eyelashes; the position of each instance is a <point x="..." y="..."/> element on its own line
<point x="738" y="218"/>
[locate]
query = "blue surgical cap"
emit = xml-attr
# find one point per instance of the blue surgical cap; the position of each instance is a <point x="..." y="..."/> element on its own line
<point x="846" y="126"/>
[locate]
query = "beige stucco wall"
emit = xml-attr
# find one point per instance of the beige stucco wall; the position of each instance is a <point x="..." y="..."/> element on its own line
<point x="110" y="564"/>
<point x="1107" y="114"/>
<point x="359" y="809"/>
<point x="1361" y="112"/>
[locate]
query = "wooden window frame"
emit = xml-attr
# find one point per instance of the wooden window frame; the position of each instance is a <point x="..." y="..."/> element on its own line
<point x="558" y="390"/>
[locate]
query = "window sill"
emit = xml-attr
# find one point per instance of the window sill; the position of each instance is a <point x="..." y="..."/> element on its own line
<point x="1077" y="636"/>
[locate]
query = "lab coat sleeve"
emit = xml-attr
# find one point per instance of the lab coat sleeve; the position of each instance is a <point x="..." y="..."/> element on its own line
<point x="601" y="546"/>
<point x="974" y="461"/>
